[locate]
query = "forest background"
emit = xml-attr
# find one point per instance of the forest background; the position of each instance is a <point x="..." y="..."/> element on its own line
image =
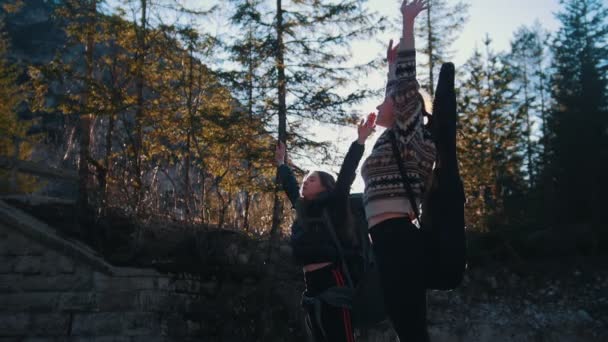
<point x="170" y="111"/>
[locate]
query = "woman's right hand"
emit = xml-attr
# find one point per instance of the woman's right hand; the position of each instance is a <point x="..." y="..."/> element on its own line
<point x="391" y="52"/>
<point x="280" y="152"/>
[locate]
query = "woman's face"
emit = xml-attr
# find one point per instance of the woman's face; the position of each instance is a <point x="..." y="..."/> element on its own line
<point x="386" y="113"/>
<point x="312" y="186"/>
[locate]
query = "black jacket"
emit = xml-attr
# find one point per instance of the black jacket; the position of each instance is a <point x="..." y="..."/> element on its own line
<point x="314" y="244"/>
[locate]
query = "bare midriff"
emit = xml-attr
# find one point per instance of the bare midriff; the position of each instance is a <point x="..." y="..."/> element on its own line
<point x="374" y="220"/>
<point x="314" y="267"/>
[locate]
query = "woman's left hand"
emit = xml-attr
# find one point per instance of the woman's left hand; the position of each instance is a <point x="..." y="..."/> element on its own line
<point x="280" y="153"/>
<point x="410" y="10"/>
<point x="366" y="128"/>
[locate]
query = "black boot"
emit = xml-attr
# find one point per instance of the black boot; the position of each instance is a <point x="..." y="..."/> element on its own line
<point x="445" y="242"/>
<point x="444" y="133"/>
<point x="444" y="123"/>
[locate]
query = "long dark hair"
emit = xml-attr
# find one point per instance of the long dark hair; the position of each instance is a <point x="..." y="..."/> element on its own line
<point x="327" y="180"/>
<point x="345" y="227"/>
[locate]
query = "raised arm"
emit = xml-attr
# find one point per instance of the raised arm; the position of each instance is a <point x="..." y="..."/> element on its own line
<point x="286" y="176"/>
<point x="402" y="85"/>
<point x="410" y="11"/>
<point x="346" y="177"/>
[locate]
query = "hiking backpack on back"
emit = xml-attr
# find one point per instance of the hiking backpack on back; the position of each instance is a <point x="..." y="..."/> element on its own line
<point x="362" y="294"/>
<point x="368" y="301"/>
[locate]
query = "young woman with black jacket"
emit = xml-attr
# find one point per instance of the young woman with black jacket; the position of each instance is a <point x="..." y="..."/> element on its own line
<point x="313" y="246"/>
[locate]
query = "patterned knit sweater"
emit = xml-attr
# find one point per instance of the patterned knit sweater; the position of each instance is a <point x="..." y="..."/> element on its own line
<point x="384" y="190"/>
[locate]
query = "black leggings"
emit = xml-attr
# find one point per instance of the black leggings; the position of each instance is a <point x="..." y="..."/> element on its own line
<point x="398" y="247"/>
<point x="335" y="322"/>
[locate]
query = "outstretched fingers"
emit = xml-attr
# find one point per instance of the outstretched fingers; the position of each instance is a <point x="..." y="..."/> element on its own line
<point x="425" y="5"/>
<point x="389" y="49"/>
<point x="371" y="120"/>
<point x="421" y="3"/>
<point x="413" y="8"/>
<point x="366" y="127"/>
<point x="280" y="152"/>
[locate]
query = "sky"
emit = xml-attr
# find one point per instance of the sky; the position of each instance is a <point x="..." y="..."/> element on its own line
<point x="497" y="18"/>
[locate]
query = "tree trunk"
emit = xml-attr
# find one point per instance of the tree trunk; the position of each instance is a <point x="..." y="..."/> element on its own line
<point x="139" y="114"/>
<point x="277" y="205"/>
<point x="246" y="214"/>
<point x="528" y="128"/>
<point x="224" y="204"/>
<point x="203" y="198"/>
<point x="104" y="187"/>
<point x="189" y="104"/>
<point x="547" y="173"/>
<point x="430" y="49"/>
<point x="495" y="186"/>
<point x="282" y="112"/>
<point x="85" y="123"/>
<point x="250" y="77"/>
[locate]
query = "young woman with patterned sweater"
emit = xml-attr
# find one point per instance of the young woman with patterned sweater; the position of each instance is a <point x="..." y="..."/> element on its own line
<point x="397" y="242"/>
<point x="313" y="246"/>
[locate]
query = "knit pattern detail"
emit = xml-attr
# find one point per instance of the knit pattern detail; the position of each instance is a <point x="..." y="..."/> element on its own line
<point x="380" y="171"/>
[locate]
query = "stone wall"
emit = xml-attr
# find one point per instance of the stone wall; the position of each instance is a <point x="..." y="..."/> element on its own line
<point x="53" y="288"/>
<point x="56" y="289"/>
<point x="48" y="296"/>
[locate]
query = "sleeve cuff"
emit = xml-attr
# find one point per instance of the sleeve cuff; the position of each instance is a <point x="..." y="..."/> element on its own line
<point x="356" y="145"/>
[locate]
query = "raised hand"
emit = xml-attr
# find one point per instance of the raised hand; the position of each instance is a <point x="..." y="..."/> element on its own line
<point x="366" y="128"/>
<point x="280" y="152"/>
<point x="412" y="9"/>
<point x="391" y="52"/>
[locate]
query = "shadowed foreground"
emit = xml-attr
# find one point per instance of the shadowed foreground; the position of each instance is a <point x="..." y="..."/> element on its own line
<point x="207" y="286"/>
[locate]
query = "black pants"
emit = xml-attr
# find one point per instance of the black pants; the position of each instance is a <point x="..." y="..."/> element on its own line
<point x="398" y="247"/>
<point x="335" y="321"/>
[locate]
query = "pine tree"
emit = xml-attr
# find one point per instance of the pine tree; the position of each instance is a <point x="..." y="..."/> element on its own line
<point x="89" y="83"/>
<point x="491" y="129"/>
<point x="141" y="51"/>
<point x="308" y="43"/>
<point x="15" y="138"/>
<point x="436" y="34"/>
<point x="253" y="51"/>
<point x="113" y="97"/>
<point x="90" y="10"/>
<point x="527" y="58"/>
<point x="579" y="116"/>
<point x="192" y="129"/>
<point x="80" y="20"/>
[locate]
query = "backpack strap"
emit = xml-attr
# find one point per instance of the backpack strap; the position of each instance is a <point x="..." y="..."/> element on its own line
<point x="335" y="296"/>
<point x="332" y="232"/>
<point x="406" y="184"/>
<point x="341" y="297"/>
<point x="314" y="308"/>
<point x="327" y="222"/>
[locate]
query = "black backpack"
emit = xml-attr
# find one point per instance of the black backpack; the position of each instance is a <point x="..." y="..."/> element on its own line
<point x="367" y="305"/>
<point x="363" y="294"/>
<point x="443" y="230"/>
